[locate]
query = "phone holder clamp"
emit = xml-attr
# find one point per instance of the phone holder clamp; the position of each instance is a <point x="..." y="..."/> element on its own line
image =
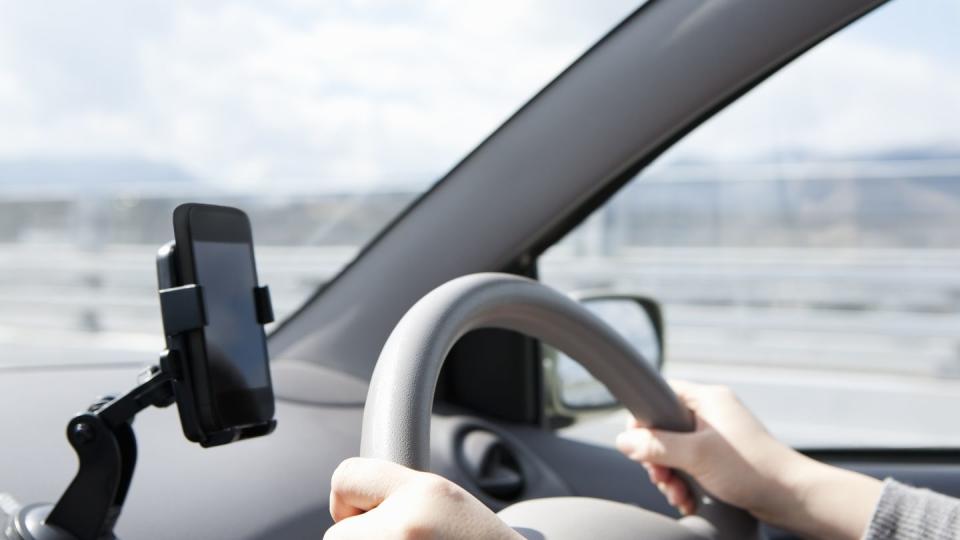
<point x="183" y="310"/>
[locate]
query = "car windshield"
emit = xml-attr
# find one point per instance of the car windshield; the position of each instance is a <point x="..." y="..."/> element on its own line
<point x="321" y="120"/>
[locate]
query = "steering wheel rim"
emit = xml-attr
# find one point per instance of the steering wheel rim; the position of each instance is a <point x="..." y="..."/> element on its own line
<point x="397" y="413"/>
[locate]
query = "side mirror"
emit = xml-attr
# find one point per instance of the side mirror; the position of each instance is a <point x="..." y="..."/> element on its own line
<point x="571" y="390"/>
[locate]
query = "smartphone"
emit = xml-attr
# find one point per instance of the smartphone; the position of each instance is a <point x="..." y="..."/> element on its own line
<point x="227" y="358"/>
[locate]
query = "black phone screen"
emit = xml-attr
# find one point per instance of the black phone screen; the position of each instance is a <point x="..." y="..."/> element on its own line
<point x="234" y="340"/>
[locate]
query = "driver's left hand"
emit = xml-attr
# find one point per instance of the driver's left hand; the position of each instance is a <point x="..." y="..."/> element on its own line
<point x="371" y="498"/>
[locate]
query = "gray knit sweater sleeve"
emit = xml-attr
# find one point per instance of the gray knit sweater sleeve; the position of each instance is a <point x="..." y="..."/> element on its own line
<point x="908" y="513"/>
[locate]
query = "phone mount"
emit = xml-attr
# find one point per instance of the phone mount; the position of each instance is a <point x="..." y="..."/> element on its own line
<point x="103" y="437"/>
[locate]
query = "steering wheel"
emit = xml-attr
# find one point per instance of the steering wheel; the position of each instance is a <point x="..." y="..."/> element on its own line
<point x="396" y="418"/>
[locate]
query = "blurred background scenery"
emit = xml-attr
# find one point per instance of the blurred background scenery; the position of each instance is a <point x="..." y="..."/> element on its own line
<point x="812" y="227"/>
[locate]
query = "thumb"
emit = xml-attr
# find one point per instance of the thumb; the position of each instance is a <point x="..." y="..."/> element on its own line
<point x="360" y="484"/>
<point x="667" y="448"/>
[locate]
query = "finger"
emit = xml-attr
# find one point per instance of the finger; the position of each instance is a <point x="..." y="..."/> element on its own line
<point x="677" y="493"/>
<point x="354" y="528"/>
<point x="658" y="447"/>
<point x="658" y="473"/>
<point x="359" y="485"/>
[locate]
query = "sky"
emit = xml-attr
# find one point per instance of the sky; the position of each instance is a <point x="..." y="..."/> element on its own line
<point x="889" y="82"/>
<point x="352" y="93"/>
<point x="364" y="95"/>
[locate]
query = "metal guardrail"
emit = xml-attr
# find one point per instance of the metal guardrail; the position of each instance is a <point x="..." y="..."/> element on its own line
<point x="896" y="310"/>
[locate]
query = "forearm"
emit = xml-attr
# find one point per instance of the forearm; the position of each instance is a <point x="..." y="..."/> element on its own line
<point x="824" y="501"/>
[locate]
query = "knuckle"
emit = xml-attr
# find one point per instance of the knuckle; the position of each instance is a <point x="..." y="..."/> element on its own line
<point x="645" y="447"/>
<point x="438" y="486"/>
<point x="412" y="530"/>
<point x="344" y="470"/>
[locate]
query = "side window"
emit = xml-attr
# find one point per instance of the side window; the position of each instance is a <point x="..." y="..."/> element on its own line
<point x="805" y="242"/>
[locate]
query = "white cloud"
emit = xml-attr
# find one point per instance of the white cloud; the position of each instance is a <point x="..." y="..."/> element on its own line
<point x="345" y="93"/>
<point x="356" y="94"/>
<point x="848" y="96"/>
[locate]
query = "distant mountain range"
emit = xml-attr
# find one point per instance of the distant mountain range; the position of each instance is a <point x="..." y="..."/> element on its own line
<point x="96" y="176"/>
<point x="907" y="153"/>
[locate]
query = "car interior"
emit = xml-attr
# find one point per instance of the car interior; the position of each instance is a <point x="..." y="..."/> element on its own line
<point x="441" y="344"/>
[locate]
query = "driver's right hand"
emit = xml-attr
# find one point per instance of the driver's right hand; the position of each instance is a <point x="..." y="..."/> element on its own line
<point x="734" y="458"/>
<point x="729" y="452"/>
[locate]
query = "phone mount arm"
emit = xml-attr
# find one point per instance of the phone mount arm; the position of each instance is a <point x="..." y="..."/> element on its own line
<point x="106" y="447"/>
